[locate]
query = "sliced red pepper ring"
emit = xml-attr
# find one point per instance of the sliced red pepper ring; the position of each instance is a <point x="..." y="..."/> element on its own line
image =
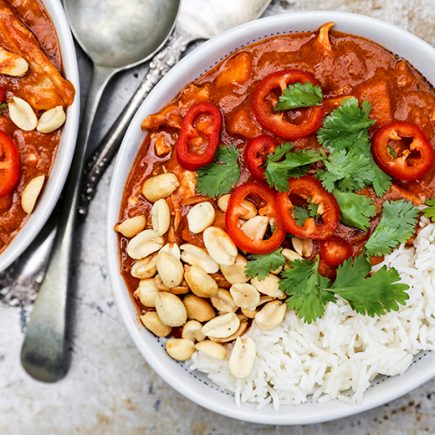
<point x="263" y="104"/>
<point x="256" y="152"/>
<point x="199" y="136"/>
<point x="401" y="149"/>
<point x="335" y="250"/>
<point x="268" y="208"/>
<point x="2" y="95"/>
<point x="309" y="189"/>
<point x="9" y="165"/>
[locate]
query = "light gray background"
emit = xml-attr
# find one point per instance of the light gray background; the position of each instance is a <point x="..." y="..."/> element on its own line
<point x="110" y="389"/>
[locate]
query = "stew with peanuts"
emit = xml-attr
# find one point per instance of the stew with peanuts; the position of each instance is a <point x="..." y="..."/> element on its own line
<point x="33" y="98"/>
<point x="303" y="156"/>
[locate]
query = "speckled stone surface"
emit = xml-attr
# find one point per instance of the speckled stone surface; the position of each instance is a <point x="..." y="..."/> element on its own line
<point x="109" y="388"/>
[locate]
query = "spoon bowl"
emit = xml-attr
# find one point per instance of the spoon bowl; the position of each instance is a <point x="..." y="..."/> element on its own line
<point x="119" y="34"/>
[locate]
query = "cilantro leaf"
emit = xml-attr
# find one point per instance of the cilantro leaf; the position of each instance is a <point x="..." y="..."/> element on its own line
<point x="381" y="181"/>
<point x="279" y="171"/>
<point x="356" y="210"/>
<point x="301" y="214"/>
<point x="299" y="95"/>
<point x="347" y="170"/>
<point x="220" y="176"/>
<point x="375" y="295"/>
<point x="261" y="265"/>
<point x="347" y="126"/>
<point x="3" y="106"/>
<point x="429" y="212"/>
<point x="306" y="289"/>
<point x="396" y="226"/>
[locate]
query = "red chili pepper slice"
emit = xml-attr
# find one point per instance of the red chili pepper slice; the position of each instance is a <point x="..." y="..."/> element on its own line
<point x="308" y="188"/>
<point x="9" y="165"/>
<point x="401" y="149"/>
<point x="256" y="152"/>
<point x="199" y="136"/>
<point x="335" y="250"/>
<point x="2" y="94"/>
<point x="263" y="103"/>
<point x="234" y="213"/>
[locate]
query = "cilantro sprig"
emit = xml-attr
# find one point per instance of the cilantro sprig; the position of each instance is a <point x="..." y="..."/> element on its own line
<point x="396" y="226"/>
<point x="429" y="212"/>
<point x="299" y="95"/>
<point x="346" y="134"/>
<point x="301" y="214"/>
<point x="261" y="265"/>
<point x="372" y="294"/>
<point x="356" y="210"/>
<point x="220" y="176"/>
<point x="3" y="106"/>
<point x="284" y="163"/>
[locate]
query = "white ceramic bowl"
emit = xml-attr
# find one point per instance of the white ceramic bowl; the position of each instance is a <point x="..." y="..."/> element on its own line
<point x="194" y="385"/>
<point x="67" y="144"/>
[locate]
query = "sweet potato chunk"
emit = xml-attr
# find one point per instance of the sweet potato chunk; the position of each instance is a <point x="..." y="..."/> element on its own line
<point x="235" y="70"/>
<point x="377" y="92"/>
<point x="242" y="123"/>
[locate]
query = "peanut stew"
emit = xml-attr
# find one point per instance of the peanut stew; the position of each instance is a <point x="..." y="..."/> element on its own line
<point x="33" y="99"/>
<point x="304" y="157"/>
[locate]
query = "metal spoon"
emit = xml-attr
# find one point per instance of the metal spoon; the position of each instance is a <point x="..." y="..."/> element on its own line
<point x="198" y="19"/>
<point x="116" y="35"/>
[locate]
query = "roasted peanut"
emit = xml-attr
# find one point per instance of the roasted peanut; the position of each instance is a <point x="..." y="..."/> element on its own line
<point x="22" y="114"/>
<point x="250" y="314"/>
<point x="198" y="308"/>
<point x="51" y="120"/>
<point x="240" y="331"/>
<point x="200" y="217"/>
<point x="245" y="296"/>
<point x="170" y="269"/>
<point x="201" y="284"/>
<point x="271" y="315"/>
<point x="31" y="193"/>
<point x="12" y="64"/>
<point x="212" y="349"/>
<point x="303" y="247"/>
<point x="220" y="246"/>
<point x="160" y="217"/>
<point x="192" y="331"/>
<point x="268" y="286"/>
<point x="248" y="209"/>
<point x="235" y="274"/>
<point x="173" y="249"/>
<point x="132" y="226"/>
<point x="242" y="357"/>
<point x="147" y="292"/>
<point x="290" y="255"/>
<point x="145" y="268"/>
<point x="152" y="322"/>
<point x="223" y="301"/>
<point x="197" y="256"/>
<point x="160" y="186"/>
<point x="179" y="348"/>
<point x="221" y="326"/>
<point x="170" y="309"/>
<point x="143" y="244"/>
<point x="256" y="227"/>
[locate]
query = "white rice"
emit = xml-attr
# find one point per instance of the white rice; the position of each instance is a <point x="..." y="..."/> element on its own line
<point x="338" y="356"/>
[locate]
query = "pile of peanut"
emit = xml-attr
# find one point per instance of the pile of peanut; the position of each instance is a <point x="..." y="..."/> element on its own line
<point x="180" y="284"/>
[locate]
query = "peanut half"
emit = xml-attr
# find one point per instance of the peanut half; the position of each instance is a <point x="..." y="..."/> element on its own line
<point x="271" y="315"/>
<point x="147" y="292"/>
<point x="235" y="274"/>
<point x="143" y="244"/>
<point x="212" y="349"/>
<point x="160" y="217"/>
<point x="152" y="322"/>
<point x="198" y="308"/>
<point x="201" y="284"/>
<point x="180" y="349"/>
<point x="22" y="114"/>
<point x="242" y="357"/>
<point x="245" y="296"/>
<point x="160" y="186"/>
<point x="31" y="193"/>
<point x="131" y="226"/>
<point x="196" y="256"/>
<point x="220" y="246"/>
<point x="12" y="64"/>
<point x="145" y="268"/>
<point x="51" y="120"/>
<point x="221" y="326"/>
<point x="192" y="331"/>
<point x="200" y="217"/>
<point x="170" y="309"/>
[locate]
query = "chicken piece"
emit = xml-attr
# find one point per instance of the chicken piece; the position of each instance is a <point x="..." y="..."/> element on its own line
<point x="172" y="115"/>
<point x="323" y="36"/>
<point x="242" y="123"/>
<point x="235" y="70"/>
<point x="376" y="91"/>
<point x="162" y="142"/>
<point x="43" y="87"/>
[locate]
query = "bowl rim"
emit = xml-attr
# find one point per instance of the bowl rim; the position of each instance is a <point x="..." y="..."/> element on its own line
<point x="128" y="150"/>
<point x="64" y="155"/>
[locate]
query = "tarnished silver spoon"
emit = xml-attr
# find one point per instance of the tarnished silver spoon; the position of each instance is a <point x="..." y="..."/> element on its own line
<point x="116" y="35"/>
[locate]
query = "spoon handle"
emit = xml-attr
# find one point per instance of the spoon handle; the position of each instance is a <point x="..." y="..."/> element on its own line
<point x="42" y="354"/>
<point x="102" y="156"/>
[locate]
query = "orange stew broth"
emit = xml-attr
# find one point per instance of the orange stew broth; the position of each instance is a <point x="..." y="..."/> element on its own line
<point x="37" y="150"/>
<point x="355" y="67"/>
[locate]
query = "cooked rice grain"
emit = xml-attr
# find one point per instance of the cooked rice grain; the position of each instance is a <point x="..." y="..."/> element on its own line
<point x="338" y="356"/>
